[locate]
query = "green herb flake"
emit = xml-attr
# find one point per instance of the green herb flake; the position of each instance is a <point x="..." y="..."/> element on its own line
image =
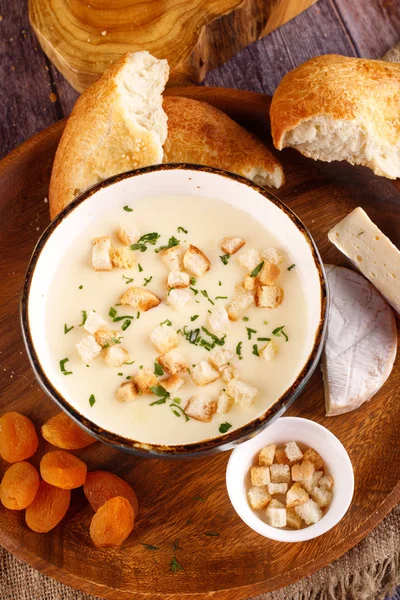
<point x="158" y="390"/>
<point x="112" y="313"/>
<point x="212" y="533"/>
<point x="67" y="329"/>
<point x="255" y="350"/>
<point x="245" y="319"/>
<point x="279" y="331"/>
<point x="62" y="367"/>
<point x="224" y="427"/>
<point x="256" y="271"/>
<point x="193" y="281"/>
<point x="182" y="230"/>
<point x="194" y="317"/>
<point x="126" y="324"/>
<point x="195" y="292"/>
<point x="160" y="401"/>
<point x="149" y="546"/>
<point x="178" y="410"/>
<point x="129" y="363"/>
<point x="239" y="349"/>
<point x="263" y="339"/>
<point x="128" y="209"/>
<point x="158" y="370"/>
<point x="84" y="317"/>
<point x="147" y="280"/>
<point x="291" y="267"/>
<point x="225" y="258"/>
<point x="128" y="279"/>
<point x="147" y="238"/>
<point x="120" y="374"/>
<point x="92" y="400"/>
<point x="166" y="322"/>
<point x="219" y="283"/>
<point x="138" y="314"/>
<point x="172" y="242"/>
<point x="250" y="332"/>
<point x="361" y="233"/>
<point x="265" y="322"/>
<point x="175" y="566"/>
<point x="205" y="294"/>
<point x="199" y="498"/>
<point x="140" y="267"/>
<point x="129" y="376"/>
<point x="81" y="287"/>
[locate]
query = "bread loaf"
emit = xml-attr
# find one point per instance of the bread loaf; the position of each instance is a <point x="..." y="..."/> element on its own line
<point x="338" y="108"/>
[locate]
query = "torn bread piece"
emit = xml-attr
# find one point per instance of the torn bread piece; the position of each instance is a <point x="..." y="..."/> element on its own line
<point x="276" y="514"/>
<point x="260" y="475"/>
<point x="139" y="298"/>
<point x="173" y="258"/>
<point x="266" y="455"/>
<point x="127" y="392"/>
<point x="240" y="303"/>
<point x="310" y="512"/>
<point x="250" y="259"/>
<point x="123" y="257"/>
<point x="269" y="296"/>
<point x="88" y="349"/>
<point x="204" y="373"/>
<point x="195" y="261"/>
<point x="310" y="485"/>
<point x="250" y="283"/>
<point x="281" y="457"/>
<point x="219" y="320"/>
<point x="243" y="393"/>
<point x="128" y="234"/>
<point x="268" y="351"/>
<point x="201" y="408"/>
<point x="173" y="362"/>
<point x="179" y="298"/>
<point x="277" y="488"/>
<point x="322" y="497"/>
<point x="272" y="255"/>
<point x="269" y="274"/>
<point x="220" y="357"/>
<point x="312" y="455"/>
<point x="292" y="519"/>
<point x="101" y="259"/>
<point x="228" y="373"/>
<point x="173" y="383"/>
<point x="293" y="452"/>
<point x="178" y="279"/>
<point x="164" y="338"/>
<point x="296" y="495"/>
<point x="94" y="322"/>
<point x="303" y="472"/>
<point x="225" y="403"/>
<point x="280" y="473"/>
<point x="144" y="380"/>
<point x="106" y="337"/>
<point x="325" y="482"/>
<point x="115" y="356"/>
<point x="258" y="497"/>
<point x="230" y="245"/>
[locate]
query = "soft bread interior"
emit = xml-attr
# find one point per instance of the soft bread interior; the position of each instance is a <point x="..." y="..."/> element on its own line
<point x="273" y="177"/>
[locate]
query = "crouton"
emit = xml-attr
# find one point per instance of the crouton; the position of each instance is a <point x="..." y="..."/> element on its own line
<point x="260" y="475"/>
<point x="272" y="255"/>
<point x="128" y="234"/>
<point x="303" y="472"/>
<point x="281" y="457"/>
<point x="195" y="261"/>
<point x="127" y="392"/>
<point x="276" y="514"/>
<point x="105" y="337"/>
<point x="266" y="455"/>
<point x="123" y="257"/>
<point x="94" y="322"/>
<point x="296" y="495"/>
<point x="258" y="497"/>
<point x="139" y="298"/>
<point x="280" y="473"/>
<point x="173" y="258"/>
<point x="292" y="519"/>
<point x="230" y="245"/>
<point x="178" y="279"/>
<point x="201" y="408"/>
<point x="277" y="488"/>
<point x="310" y="512"/>
<point x="219" y="320"/>
<point x="101" y="260"/>
<point x="310" y="485"/>
<point x="240" y="302"/>
<point x="242" y="393"/>
<point x="115" y="356"/>
<point x="164" y="338"/>
<point x="249" y="260"/>
<point x="173" y="383"/>
<point x="269" y="296"/>
<point x="228" y="373"/>
<point x="173" y="362"/>
<point x="322" y="497"/>
<point x="204" y="373"/>
<point x="88" y="349"/>
<point x="268" y="351"/>
<point x="225" y="403"/>
<point x="326" y="482"/>
<point x="269" y="274"/>
<point x="313" y="456"/>
<point x="249" y="283"/>
<point x="220" y="357"/>
<point x="144" y="380"/>
<point x="178" y="298"/>
<point x="293" y="452"/>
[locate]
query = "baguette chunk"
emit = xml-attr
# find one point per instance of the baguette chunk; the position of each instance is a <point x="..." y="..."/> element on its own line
<point x="260" y="475"/>
<point x="140" y="298"/>
<point x="94" y="322"/>
<point x="173" y="362"/>
<point x="219" y="320"/>
<point x="101" y="260"/>
<point x="240" y="303"/>
<point x="173" y="258"/>
<point x="204" y="373"/>
<point x="220" y="357"/>
<point x="178" y="279"/>
<point x="128" y="234"/>
<point x="225" y="403"/>
<point x="269" y="274"/>
<point x="269" y="296"/>
<point x="201" y="408"/>
<point x="310" y="512"/>
<point x="230" y="245"/>
<point x="195" y="261"/>
<point x="88" y="349"/>
<point x="266" y="455"/>
<point x="243" y="393"/>
<point x="164" y="338"/>
<point x="123" y="258"/>
<point x="127" y="392"/>
<point x="249" y="260"/>
<point x="258" y="497"/>
<point x="145" y="380"/>
<point x="276" y="514"/>
<point x="179" y="298"/>
<point x="115" y="356"/>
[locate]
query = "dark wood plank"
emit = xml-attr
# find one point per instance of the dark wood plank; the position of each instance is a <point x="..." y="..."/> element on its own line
<point x="261" y="66"/>
<point x="374" y="26"/>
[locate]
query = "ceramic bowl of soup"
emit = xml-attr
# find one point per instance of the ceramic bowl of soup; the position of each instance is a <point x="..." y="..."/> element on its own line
<point x="203" y="325"/>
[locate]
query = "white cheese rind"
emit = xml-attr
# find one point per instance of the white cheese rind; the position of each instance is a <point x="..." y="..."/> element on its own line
<point x="361" y="341"/>
<point x="371" y="252"/>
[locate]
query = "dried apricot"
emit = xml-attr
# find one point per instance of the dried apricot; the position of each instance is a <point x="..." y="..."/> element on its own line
<point x="112" y="523"/>
<point x="101" y="486"/>
<point x="63" y="470"/>
<point x="48" y="508"/>
<point x="19" y="486"/>
<point x="18" y="438"/>
<point x="63" y="432"/>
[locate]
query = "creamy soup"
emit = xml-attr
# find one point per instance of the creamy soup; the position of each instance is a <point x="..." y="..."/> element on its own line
<point x="77" y="289"/>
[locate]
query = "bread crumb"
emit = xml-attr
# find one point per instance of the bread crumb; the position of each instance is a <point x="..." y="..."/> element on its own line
<point x="53" y="97"/>
<point x="104" y="32"/>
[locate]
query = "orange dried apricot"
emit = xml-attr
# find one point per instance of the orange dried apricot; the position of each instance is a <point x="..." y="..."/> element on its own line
<point x="19" y="486"/>
<point x="18" y="438"/>
<point x="101" y="486"/>
<point x="112" y="523"/>
<point x="63" y="432"/>
<point x="48" y="508"/>
<point x="63" y="470"/>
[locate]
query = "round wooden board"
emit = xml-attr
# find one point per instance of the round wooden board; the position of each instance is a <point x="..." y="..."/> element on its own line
<point x="239" y="563"/>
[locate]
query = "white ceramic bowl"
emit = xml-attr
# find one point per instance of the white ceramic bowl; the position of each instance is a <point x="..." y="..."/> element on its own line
<point x="285" y="430"/>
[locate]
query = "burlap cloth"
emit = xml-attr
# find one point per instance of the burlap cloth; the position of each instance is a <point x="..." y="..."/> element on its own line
<point x="370" y="571"/>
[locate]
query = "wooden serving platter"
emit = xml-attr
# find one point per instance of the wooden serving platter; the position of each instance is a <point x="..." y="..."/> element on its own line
<point x="185" y="500"/>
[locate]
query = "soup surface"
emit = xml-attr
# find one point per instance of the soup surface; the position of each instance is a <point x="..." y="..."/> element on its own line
<point x="77" y="289"/>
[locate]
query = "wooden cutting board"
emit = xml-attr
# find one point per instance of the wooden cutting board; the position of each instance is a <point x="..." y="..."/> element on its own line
<point x="238" y="563"/>
<point x="82" y="37"/>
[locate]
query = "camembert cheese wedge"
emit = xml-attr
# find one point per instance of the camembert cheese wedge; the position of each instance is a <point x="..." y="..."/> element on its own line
<point x="371" y="252"/>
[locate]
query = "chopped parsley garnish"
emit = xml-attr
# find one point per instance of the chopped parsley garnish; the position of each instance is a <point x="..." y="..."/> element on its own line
<point x="194" y="317"/>
<point x="265" y="322"/>
<point x="279" y="331"/>
<point x="225" y="258"/>
<point x="223" y="428"/>
<point x="158" y="390"/>
<point x="193" y="281"/>
<point x="166" y="322"/>
<point x="195" y="292"/>
<point x="205" y="294"/>
<point x="291" y="267"/>
<point x="239" y="350"/>
<point x="255" y="350"/>
<point x="256" y="271"/>
<point x="250" y="332"/>
<point x="126" y="324"/>
<point x="120" y="374"/>
<point x="160" y="401"/>
<point x="219" y="283"/>
<point x="212" y="533"/>
<point x="129" y="363"/>
<point x="261" y="339"/>
<point x="128" y="209"/>
<point x="175" y="408"/>
<point x="245" y="319"/>
<point x="81" y="287"/>
<point x="128" y="279"/>
<point x="147" y="238"/>
<point x="84" y="317"/>
<point x="217" y="340"/>
<point x="138" y="314"/>
<point x="221" y="297"/>
<point x="361" y="232"/>
<point x="62" y="367"/>
<point x="194" y="337"/>
<point x="158" y="370"/>
<point x="149" y="546"/>
<point x="92" y="399"/>
<point x="140" y="267"/>
<point x="172" y="242"/>
<point x="112" y="313"/>
<point x="67" y="329"/>
<point x="128" y="376"/>
<point x="182" y="230"/>
<point x="199" y="498"/>
<point x="147" y="280"/>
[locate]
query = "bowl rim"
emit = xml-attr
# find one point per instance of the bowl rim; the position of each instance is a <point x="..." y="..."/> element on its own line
<point x="221" y="442"/>
<point x="312" y="531"/>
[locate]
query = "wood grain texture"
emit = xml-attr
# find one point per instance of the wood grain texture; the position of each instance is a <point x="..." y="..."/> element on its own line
<point x="239" y="563"/>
